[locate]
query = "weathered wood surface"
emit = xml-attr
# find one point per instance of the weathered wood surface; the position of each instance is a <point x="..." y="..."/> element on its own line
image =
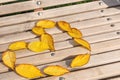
<point x="50" y="13"/>
<point x="30" y="5"/>
<point x="100" y="26"/>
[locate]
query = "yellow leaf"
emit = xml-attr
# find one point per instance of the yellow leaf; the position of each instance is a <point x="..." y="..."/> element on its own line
<point x="80" y="60"/>
<point x="38" y="30"/>
<point x="9" y="59"/>
<point x="83" y="43"/>
<point x="55" y="70"/>
<point x="75" y="33"/>
<point x="64" y="26"/>
<point x="38" y="46"/>
<point x="18" y="45"/>
<point x="28" y="71"/>
<point x="46" y="24"/>
<point x="47" y="38"/>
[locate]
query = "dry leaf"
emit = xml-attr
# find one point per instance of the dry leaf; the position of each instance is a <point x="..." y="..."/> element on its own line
<point x="9" y="59"/>
<point x="83" y="43"/>
<point x="75" y="33"/>
<point x="38" y="46"/>
<point x="47" y="38"/>
<point x="18" y="45"/>
<point x="38" y="30"/>
<point x="55" y="70"/>
<point x="64" y="26"/>
<point x="80" y="60"/>
<point x="46" y="24"/>
<point x="28" y="71"/>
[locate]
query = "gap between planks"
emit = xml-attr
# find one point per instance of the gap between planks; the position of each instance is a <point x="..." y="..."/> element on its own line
<point x="30" y="5"/>
<point x="95" y="60"/>
<point x="106" y="32"/>
<point x="115" y="78"/>
<point x="95" y="73"/>
<point x="80" y="25"/>
<point x="4" y="1"/>
<point x="46" y="58"/>
<point x="56" y="12"/>
<point x="58" y="45"/>
<point x="90" y="15"/>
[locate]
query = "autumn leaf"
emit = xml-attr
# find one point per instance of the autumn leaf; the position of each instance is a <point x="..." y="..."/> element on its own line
<point x="38" y="46"/>
<point x="17" y="45"/>
<point x="38" y="30"/>
<point x="9" y="59"/>
<point x="83" y="43"/>
<point x="64" y="26"/>
<point x="47" y="38"/>
<point x="28" y="71"/>
<point x="75" y="33"/>
<point x="55" y="70"/>
<point x="46" y="24"/>
<point x="80" y="60"/>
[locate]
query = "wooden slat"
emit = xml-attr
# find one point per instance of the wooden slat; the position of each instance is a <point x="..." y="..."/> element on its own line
<point x="90" y="15"/>
<point x="95" y="60"/>
<point x="91" y="39"/>
<point x="46" y="58"/>
<point x="46" y="3"/>
<point x="91" y="22"/>
<point x="53" y="2"/>
<point x="29" y="5"/>
<point x="91" y="74"/>
<point x="29" y="59"/>
<point x="55" y="12"/>
<point x="59" y="37"/>
<point x="82" y="24"/>
<point x="17" y="7"/>
<point x="4" y="1"/>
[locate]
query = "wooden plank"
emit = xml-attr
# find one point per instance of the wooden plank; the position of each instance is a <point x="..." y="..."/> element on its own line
<point x="59" y="37"/>
<point x="55" y="12"/>
<point x="90" y="15"/>
<point x="17" y="7"/>
<point x="46" y="58"/>
<point x="90" y="39"/>
<point x="46" y="3"/>
<point x="99" y="21"/>
<point x="29" y="5"/>
<point x="95" y="60"/>
<point x="91" y="74"/>
<point x="53" y="2"/>
<point x="82" y="24"/>
<point x="4" y="1"/>
<point x="37" y="61"/>
<point x="63" y="36"/>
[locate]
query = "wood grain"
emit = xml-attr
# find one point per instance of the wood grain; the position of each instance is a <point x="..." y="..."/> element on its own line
<point x="90" y="15"/>
<point x="91" y="74"/>
<point x="82" y="24"/>
<point x="56" y="12"/>
<point x="30" y="5"/>
<point x="95" y="60"/>
<point x="28" y="36"/>
<point x="46" y="58"/>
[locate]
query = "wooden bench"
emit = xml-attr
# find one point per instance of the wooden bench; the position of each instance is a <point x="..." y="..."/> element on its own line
<point x="99" y="21"/>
